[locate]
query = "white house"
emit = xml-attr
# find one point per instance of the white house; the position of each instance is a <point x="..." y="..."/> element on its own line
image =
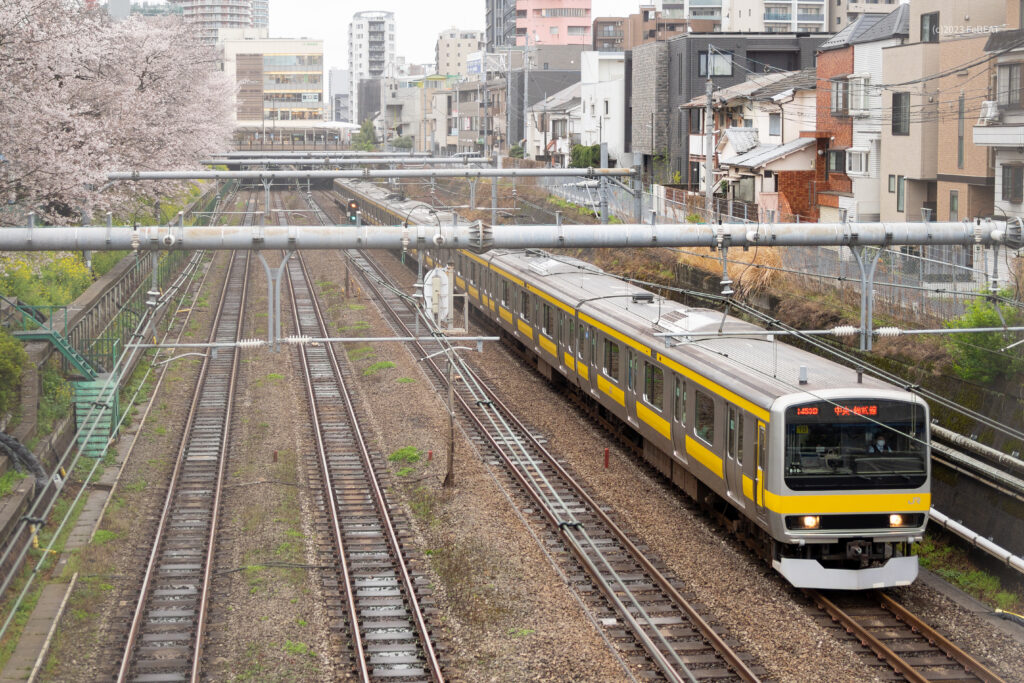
<point x="549" y="126"/>
<point x="603" y="99"/>
<point x="863" y="158"/>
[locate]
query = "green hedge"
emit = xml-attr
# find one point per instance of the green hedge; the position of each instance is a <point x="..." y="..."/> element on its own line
<point x="12" y="358"/>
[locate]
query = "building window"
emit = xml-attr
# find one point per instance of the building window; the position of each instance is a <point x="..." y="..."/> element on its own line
<point x="857" y="162"/>
<point x="901" y="193"/>
<point x="1013" y="184"/>
<point x="840" y="96"/>
<point x="837" y="161"/>
<point x="696" y="121"/>
<point x="858" y="94"/>
<point x="1009" y="85"/>
<point x="721" y="64"/>
<point x="892" y="183"/>
<point x="960" y="133"/>
<point x="901" y="113"/>
<point x="774" y="124"/>
<point x="954" y="205"/>
<point x="606" y="107"/>
<point x="930" y="27"/>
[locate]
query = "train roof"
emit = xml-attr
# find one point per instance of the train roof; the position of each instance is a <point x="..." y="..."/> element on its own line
<point x="754" y="362"/>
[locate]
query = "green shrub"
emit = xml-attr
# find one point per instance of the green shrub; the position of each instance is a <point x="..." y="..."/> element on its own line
<point x="585" y="156"/>
<point x="43" y="279"/>
<point x="515" y="152"/>
<point x="55" y="401"/>
<point x="12" y="358"/>
<point x="976" y="355"/>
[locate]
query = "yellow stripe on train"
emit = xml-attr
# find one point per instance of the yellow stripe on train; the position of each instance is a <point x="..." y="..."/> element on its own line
<point x="838" y="504"/>
<point x="547" y="345"/>
<point x="656" y="421"/>
<point x="611" y="390"/>
<point x="704" y="456"/>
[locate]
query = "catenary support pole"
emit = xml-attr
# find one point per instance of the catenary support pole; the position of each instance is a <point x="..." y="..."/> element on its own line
<point x="709" y="137"/>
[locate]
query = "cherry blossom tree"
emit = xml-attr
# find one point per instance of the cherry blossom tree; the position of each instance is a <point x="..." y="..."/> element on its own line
<point x="82" y="96"/>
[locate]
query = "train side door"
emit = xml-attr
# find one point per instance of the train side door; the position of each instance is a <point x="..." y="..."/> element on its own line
<point x="679" y="418"/>
<point x="760" y="465"/>
<point x="583" y="372"/>
<point x="734" y="456"/>
<point x="631" y="371"/>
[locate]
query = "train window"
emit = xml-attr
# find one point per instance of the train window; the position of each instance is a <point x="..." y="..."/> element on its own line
<point x="581" y="347"/>
<point x="570" y="339"/>
<point x="705" y="422"/>
<point x="611" y="359"/>
<point x="524" y="305"/>
<point x="740" y="431"/>
<point x="654" y="386"/>
<point x="547" y="321"/>
<point x="733" y="425"/>
<point x="506" y="297"/>
<point x="631" y="369"/>
<point x="472" y="272"/>
<point x="679" y="407"/>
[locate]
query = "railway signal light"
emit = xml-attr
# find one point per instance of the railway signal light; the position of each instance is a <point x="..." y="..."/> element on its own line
<point x="353" y="210"/>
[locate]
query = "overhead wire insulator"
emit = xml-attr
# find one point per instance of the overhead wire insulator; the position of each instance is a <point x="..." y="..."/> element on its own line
<point x="249" y="343"/>
<point x="888" y="331"/>
<point x="845" y="331"/>
<point x="297" y="340"/>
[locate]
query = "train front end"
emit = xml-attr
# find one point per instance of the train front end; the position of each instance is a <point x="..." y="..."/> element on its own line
<point x="848" y="488"/>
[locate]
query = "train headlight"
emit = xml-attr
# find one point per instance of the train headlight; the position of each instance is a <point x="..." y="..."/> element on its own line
<point x="810" y="521"/>
<point x="896" y="520"/>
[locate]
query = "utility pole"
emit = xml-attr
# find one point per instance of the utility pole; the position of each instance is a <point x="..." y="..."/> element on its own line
<point x="508" y="102"/>
<point x="526" y="85"/>
<point x="709" y="130"/>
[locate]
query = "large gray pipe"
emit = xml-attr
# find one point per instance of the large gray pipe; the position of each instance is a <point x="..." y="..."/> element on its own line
<point x="482" y="237"/>
<point x="366" y="173"/>
<point x="1005" y="462"/>
<point x="977" y="540"/>
<point x="346" y="161"/>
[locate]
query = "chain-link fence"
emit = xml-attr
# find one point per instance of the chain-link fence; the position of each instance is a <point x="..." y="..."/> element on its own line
<point x="924" y="285"/>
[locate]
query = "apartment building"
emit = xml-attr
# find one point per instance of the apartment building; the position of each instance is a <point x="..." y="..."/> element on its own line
<point x="1000" y="124"/>
<point x="925" y="111"/>
<point x="553" y="22"/>
<point x="549" y="131"/>
<point x="778" y="16"/>
<point x="500" y="21"/>
<point x="208" y="17"/>
<point x="603" y="102"/>
<point x="618" y="34"/>
<point x="371" y="48"/>
<point x="845" y="12"/>
<point x="453" y="49"/>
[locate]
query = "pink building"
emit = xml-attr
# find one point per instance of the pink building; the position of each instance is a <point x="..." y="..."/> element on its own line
<point x="553" y="22"/>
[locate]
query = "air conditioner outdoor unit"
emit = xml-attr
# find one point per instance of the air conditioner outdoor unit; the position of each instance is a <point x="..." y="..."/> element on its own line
<point x="989" y="111"/>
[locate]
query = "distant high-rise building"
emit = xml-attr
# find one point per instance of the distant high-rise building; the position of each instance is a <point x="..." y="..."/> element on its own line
<point x="261" y="13"/>
<point x="553" y="22"/>
<point x="122" y="9"/>
<point x="453" y="47"/>
<point x="339" y="87"/>
<point x="501" y="24"/>
<point x="209" y="16"/>
<point x="371" y="48"/>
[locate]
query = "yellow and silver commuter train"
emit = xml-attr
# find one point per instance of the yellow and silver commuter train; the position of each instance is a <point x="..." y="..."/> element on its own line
<point x="825" y="471"/>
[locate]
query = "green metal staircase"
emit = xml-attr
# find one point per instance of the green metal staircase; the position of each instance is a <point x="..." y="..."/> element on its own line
<point x="35" y="330"/>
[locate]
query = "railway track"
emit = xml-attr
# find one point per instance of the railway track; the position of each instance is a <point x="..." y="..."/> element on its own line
<point x="907" y="647"/>
<point x="165" y="639"/>
<point x="166" y="632"/>
<point x="382" y="596"/>
<point x="654" y="627"/>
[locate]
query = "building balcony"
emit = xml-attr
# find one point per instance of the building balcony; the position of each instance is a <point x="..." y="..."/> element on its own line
<point x="776" y="16"/>
<point x="810" y="17"/>
<point x="706" y="3"/>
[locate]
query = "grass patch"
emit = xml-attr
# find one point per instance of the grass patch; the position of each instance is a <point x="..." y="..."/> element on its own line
<point x="406" y="454"/>
<point x="275" y="376"/>
<point x="377" y="367"/>
<point x="361" y="353"/>
<point x="406" y="380"/>
<point x="521" y="632"/>
<point x="954" y="565"/>
<point x="104" y="536"/>
<point x="9" y="480"/>
<point x="298" y="648"/>
<point x="422" y="502"/>
<point x="405" y="471"/>
<point x="356" y="307"/>
<point x="55" y="401"/>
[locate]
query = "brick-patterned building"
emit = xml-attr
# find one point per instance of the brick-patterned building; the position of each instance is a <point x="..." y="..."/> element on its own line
<point x="831" y="190"/>
<point x="650" y="107"/>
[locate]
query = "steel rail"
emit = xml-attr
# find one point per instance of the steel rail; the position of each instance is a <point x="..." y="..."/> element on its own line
<point x="380" y="501"/>
<point x="942" y="642"/>
<point x="914" y="623"/>
<point x="610" y="591"/>
<point x="172" y="490"/>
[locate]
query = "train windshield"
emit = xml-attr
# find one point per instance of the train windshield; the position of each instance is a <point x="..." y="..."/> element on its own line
<point x="855" y="445"/>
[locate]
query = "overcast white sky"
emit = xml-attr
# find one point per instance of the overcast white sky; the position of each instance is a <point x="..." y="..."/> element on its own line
<point x="418" y="22"/>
